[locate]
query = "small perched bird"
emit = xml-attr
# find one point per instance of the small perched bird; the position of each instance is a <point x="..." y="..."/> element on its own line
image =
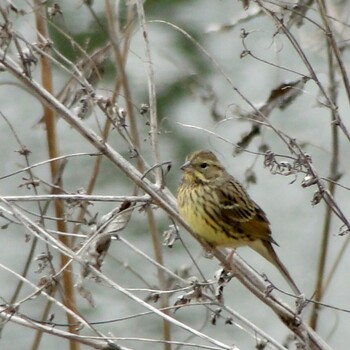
<point x="219" y="210"/>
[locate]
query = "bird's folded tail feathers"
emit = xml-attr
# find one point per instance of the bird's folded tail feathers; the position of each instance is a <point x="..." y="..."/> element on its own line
<point x="265" y="249"/>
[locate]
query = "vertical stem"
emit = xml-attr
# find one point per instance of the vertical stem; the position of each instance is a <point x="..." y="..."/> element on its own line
<point x="106" y="128"/>
<point x="164" y="301"/>
<point x="319" y="288"/>
<point x="151" y="92"/>
<point x="52" y="144"/>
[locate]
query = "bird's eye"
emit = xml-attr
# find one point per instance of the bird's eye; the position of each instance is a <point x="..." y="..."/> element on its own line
<point x="203" y="165"/>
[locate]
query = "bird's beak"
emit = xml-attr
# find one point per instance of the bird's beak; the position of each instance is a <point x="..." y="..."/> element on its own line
<point x="185" y="165"/>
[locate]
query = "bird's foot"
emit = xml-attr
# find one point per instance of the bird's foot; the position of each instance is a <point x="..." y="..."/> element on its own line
<point x="227" y="265"/>
<point x="208" y="253"/>
<point x="230" y="256"/>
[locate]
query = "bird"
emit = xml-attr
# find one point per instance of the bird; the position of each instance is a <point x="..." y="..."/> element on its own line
<point x="218" y="209"/>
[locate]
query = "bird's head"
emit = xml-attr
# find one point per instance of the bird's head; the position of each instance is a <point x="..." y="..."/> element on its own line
<point x="202" y="166"/>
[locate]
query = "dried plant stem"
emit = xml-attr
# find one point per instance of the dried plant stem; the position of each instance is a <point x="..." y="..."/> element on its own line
<point x="151" y="92"/>
<point x="44" y="316"/>
<point x="320" y="285"/>
<point x="8" y="314"/>
<point x="106" y="128"/>
<point x="164" y="200"/>
<point x="50" y="123"/>
<point x="331" y="41"/>
<point x="286" y="315"/>
<point x="329" y="102"/>
<point x="158" y="171"/>
<point x="48" y="329"/>
<point x="164" y="301"/>
<point x="31" y="252"/>
<point x="77" y="197"/>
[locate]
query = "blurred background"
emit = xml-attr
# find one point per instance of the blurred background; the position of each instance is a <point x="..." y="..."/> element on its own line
<point x="213" y="61"/>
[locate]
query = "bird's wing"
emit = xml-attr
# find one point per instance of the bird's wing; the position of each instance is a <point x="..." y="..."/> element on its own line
<point x="241" y="212"/>
<point x="235" y="203"/>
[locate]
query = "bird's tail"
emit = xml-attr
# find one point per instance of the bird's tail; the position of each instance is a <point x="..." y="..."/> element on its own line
<point x="265" y="249"/>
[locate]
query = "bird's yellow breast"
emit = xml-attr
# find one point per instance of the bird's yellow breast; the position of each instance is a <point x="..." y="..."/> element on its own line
<point x="197" y="209"/>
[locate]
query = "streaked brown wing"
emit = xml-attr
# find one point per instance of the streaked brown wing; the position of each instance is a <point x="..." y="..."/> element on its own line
<point x="240" y="211"/>
<point x="234" y="202"/>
